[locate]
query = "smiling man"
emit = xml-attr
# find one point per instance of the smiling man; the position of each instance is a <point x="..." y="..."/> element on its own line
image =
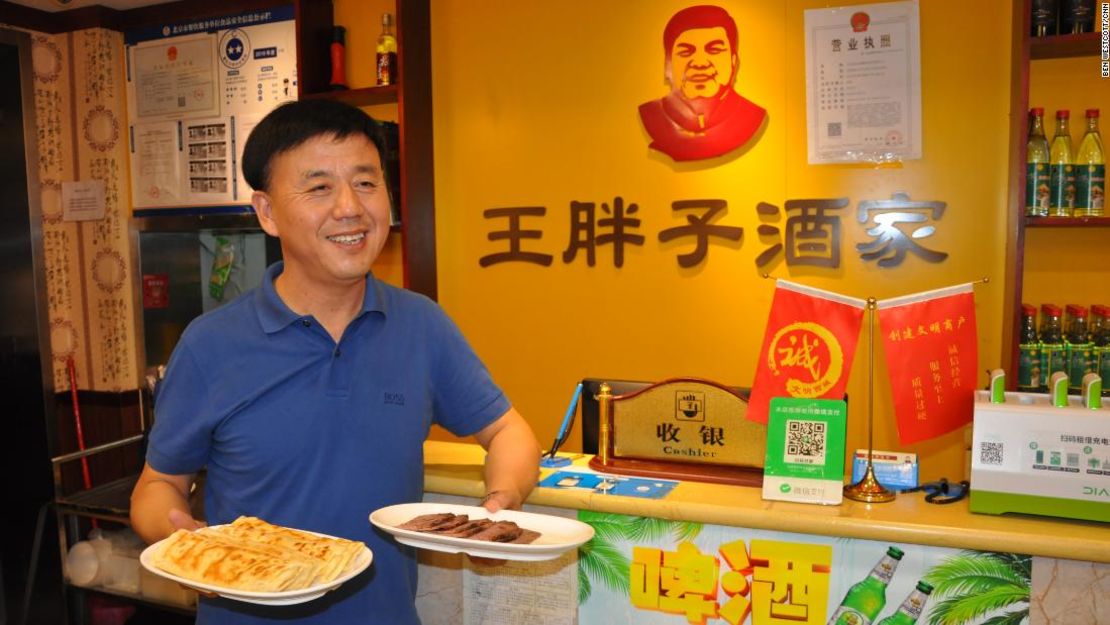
<point x="308" y="399"/>
<point x="703" y="116"/>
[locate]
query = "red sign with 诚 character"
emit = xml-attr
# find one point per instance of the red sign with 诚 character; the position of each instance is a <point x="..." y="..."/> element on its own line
<point x="808" y="346"/>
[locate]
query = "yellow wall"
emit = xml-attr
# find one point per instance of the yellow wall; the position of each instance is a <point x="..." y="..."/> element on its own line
<point x="535" y="104"/>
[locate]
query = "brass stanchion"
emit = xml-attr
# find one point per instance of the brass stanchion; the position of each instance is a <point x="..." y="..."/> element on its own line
<point x="869" y="489"/>
<point x="604" y="408"/>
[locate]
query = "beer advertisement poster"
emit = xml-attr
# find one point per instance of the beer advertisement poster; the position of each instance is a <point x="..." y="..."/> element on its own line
<point x="650" y="571"/>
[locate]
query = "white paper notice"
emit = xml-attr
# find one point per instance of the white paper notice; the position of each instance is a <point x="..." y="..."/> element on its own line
<point x="209" y="157"/>
<point x="157" y="165"/>
<point x="174" y="78"/>
<point x="863" y="83"/>
<point x="83" y="201"/>
<point x="522" y="592"/>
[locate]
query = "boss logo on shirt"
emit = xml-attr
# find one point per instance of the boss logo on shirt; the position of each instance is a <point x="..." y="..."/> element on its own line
<point x="394" y="399"/>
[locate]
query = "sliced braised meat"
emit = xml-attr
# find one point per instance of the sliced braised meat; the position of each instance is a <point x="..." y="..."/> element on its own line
<point x="460" y="526"/>
<point x="499" y="532"/>
<point x="526" y="536"/>
<point x="468" y="529"/>
<point x="426" y="522"/>
<point x="458" y="521"/>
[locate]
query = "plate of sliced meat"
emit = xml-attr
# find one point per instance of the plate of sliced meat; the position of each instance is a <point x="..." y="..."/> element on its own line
<point x="473" y="530"/>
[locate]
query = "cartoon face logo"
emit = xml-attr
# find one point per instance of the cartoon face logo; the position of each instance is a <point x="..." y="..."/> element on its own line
<point x="701" y="63"/>
<point x="703" y="116"/>
<point x="809" y="355"/>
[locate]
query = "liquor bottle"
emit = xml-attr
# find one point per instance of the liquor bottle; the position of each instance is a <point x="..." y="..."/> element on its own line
<point x="1077" y="16"/>
<point x="1044" y="18"/>
<point x="1053" y="352"/>
<point x="1100" y="335"/>
<point x="338" y="58"/>
<point x="1079" y="347"/>
<point x="1090" y="171"/>
<point x="387" y="53"/>
<point x="911" y="608"/>
<point x="866" y="599"/>
<point x="1029" y="349"/>
<point x="1061" y="170"/>
<point x="1036" y="166"/>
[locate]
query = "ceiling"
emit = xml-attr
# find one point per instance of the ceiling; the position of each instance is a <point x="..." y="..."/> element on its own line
<point x="65" y="5"/>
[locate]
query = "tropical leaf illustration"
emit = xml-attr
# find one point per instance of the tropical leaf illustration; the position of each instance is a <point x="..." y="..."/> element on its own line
<point x="973" y="584"/>
<point x="601" y="561"/>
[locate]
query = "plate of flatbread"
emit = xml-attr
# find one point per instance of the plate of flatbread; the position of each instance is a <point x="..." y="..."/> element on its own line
<point x="257" y="562"/>
<point x="473" y="530"/>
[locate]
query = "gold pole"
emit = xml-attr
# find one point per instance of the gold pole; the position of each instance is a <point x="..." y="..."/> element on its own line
<point x="869" y="489"/>
<point x="604" y="435"/>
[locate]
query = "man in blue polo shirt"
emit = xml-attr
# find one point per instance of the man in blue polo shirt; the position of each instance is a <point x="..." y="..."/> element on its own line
<point x="308" y="398"/>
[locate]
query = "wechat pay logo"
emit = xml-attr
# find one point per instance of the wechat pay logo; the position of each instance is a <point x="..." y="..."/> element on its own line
<point x="784" y="487"/>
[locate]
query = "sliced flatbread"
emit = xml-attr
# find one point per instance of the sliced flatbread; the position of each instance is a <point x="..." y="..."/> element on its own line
<point x="334" y="554"/>
<point x="212" y="559"/>
<point x="253" y="555"/>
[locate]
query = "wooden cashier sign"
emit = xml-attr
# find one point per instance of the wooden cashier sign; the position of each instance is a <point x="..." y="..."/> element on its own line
<point x="683" y="428"/>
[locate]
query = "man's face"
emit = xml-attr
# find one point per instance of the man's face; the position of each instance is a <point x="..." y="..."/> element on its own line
<point x="702" y="62"/>
<point x="328" y="204"/>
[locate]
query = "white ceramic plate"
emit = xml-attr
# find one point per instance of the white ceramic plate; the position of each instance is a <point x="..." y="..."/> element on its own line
<point x="288" y="597"/>
<point x="557" y="534"/>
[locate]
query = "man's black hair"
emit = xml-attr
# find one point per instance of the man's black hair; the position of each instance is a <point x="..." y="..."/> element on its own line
<point x="292" y="123"/>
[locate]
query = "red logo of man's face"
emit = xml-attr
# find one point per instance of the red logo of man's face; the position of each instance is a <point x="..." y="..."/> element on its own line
<point x="701" y="63"/>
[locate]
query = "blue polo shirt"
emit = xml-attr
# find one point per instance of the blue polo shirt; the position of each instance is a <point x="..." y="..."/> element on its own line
<point x="305" y="432"/>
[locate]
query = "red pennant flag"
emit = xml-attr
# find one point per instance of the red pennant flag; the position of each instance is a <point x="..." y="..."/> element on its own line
<point x="807" y="348"/>
<point x="933" y="359"/>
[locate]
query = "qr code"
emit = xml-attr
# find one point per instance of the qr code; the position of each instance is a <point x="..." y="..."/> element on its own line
<point x="805" y="441"/>
<point x="990" y="453"/>
<point x="834" y="129"/>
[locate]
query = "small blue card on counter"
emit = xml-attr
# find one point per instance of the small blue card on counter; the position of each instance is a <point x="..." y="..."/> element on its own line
<point x="895" y="470"/>
<point x="610" y="484"/>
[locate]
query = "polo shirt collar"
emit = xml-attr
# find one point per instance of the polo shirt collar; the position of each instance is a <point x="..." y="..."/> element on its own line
<point x="275" y="315"/>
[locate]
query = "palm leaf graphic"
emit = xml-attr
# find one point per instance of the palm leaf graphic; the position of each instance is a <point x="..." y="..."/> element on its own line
<point x="601" y="561"/>
<point x="972" y="584"/>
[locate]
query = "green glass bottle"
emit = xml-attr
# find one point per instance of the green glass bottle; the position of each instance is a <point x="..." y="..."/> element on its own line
<point x="1029" y="377"/>
<point x="1080" y="348"/>
<point x="1061" y="170"/>
<point x="1053" y="350"/>
<point x="1100" y="334"/>
<point x="1036" y="166"/>
<point x="866" y="599"/>
<point x="911" y="608"/>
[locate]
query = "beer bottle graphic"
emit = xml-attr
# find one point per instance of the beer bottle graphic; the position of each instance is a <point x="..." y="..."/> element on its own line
<point x="911" y="608"/>
<point x="866" y="599"/>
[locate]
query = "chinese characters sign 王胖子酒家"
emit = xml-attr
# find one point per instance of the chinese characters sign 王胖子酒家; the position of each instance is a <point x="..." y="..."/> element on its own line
<point x="811" y="235"/>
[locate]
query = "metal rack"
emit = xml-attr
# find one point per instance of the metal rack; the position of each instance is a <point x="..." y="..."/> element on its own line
<point x="110" y="502"/>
